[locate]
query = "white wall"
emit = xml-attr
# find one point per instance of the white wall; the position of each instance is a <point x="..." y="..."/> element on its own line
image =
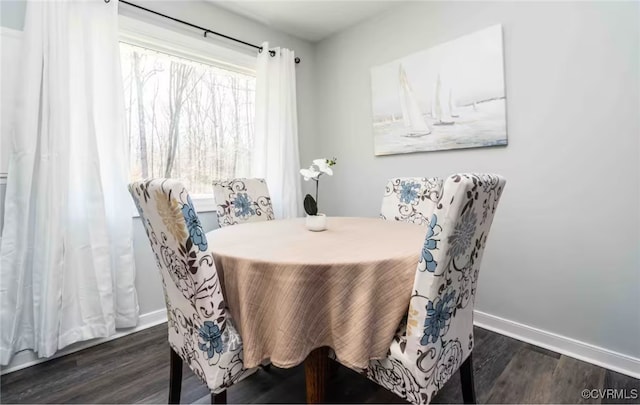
<point x="12" y="13"/>
<point x="563" y="254"/>
<point x="148" y="283"/>
<point x="3" y="189"/>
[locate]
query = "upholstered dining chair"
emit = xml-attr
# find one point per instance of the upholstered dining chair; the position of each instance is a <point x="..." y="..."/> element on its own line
<point x="437" y="338"/>
<point x="242" y="200"/>
<point x="201" y="332"/>
<point x="410" y="199"/>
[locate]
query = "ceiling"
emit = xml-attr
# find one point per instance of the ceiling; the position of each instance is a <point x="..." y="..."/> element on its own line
<point x="306" y="19"/>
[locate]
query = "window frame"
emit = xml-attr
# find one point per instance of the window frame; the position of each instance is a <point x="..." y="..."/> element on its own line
<point x="186" y="44"/>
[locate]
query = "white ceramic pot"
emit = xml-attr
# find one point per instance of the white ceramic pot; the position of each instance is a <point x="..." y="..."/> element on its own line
<point x="316" y="223"/>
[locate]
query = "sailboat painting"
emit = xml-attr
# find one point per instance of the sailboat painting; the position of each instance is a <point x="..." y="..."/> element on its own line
<point x="449" y="96"/>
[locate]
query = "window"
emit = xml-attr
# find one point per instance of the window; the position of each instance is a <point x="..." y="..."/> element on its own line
<point x="187" y="116"/>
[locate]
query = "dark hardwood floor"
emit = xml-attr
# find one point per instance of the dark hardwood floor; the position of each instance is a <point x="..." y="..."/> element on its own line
<point x="135" y="369"/>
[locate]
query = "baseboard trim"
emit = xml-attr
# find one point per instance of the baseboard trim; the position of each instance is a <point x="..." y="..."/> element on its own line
<point x="27" y="358"/>
<point x="561" y="344"/>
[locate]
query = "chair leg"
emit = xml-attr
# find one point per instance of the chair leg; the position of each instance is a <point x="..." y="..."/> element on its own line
<point x="466" y="378"/>
<point x="265" y="365"/>
<point x="175" y="379"/>
<point x="220" y="398"/>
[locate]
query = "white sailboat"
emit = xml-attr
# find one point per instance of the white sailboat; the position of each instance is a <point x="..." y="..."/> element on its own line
<point x="442" y="104"/>
<point x="411" y="114"/>
<point x="452" y="104"/>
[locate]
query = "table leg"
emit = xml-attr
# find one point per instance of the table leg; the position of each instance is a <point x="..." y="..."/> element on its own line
<point x="315" y="371"/>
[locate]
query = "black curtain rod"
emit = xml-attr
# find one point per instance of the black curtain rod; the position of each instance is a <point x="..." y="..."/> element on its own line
<point x="206" y="30"/>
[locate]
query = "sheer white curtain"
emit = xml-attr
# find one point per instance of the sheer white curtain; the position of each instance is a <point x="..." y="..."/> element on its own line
<point x="67" y="271"/>
<point x="276" y="157"/>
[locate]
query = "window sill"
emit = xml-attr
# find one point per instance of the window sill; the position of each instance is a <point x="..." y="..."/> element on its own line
<point x="202" y="204"/>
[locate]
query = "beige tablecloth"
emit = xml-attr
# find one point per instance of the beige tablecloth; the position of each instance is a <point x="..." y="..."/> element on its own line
<point x="290" y="290"/>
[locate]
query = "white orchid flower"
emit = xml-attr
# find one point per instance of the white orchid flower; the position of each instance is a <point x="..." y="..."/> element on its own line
<point x="317" y="169"/>
<point x="310" y="173"/>
<point x="323" y="166"/>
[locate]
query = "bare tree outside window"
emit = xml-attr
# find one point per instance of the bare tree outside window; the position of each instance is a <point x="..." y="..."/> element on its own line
<point x="186" y="119"/>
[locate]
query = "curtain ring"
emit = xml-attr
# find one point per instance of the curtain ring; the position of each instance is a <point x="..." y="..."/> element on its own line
<point x="272" y="53"/>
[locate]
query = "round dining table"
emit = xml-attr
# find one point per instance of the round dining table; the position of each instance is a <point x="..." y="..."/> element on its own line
<point x="293" y="294"/>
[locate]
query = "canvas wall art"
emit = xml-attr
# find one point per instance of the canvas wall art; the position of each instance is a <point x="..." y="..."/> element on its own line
<point x="449" y="96"/>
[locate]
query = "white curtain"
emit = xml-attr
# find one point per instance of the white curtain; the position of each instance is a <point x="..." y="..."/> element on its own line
<point x="67" y="271"/>
<point x="276" y="157"/>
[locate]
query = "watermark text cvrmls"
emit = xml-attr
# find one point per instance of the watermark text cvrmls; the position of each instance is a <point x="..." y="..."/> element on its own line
<point x="610" y="393"/>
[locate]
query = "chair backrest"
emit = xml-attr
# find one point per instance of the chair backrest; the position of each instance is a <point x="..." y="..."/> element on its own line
<point x="242" y="200"/>
<point x="199" y="330"/>
<point x="410" y="199"/>
<point x="440" y="320"/>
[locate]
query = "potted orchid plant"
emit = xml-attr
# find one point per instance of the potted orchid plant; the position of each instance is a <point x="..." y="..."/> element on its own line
<point x="316" y="221"/>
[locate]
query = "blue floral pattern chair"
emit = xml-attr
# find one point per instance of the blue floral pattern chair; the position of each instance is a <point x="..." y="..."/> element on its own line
<point x="242" y="200"/>
<point x="437" y="338"/>
<point x="201" y="332"/>
<point x="410" y="199"/>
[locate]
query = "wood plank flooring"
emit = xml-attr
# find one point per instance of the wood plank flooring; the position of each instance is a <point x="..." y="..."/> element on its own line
<point x="135" y="369"/>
